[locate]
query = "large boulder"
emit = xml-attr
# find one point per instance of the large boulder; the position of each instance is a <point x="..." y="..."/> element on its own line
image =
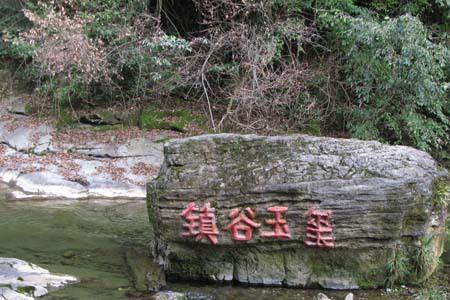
<point x="380" y="202"/>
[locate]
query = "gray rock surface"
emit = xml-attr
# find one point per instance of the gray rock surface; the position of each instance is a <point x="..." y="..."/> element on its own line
<point x="381" y="199"/>
<point x="100" y="118"/>
<point x="349" y="296"/>
<point x="22" y="280"/>
<point x="147" y="276"/>
<point x="17" y="105"/>
<point x="41" y="166"/>
<point x="7" y="293"/>
<point x="35" y="139"/>
<point x="138" y="147"/>
<point x="321" y="296"/>
<point x="49" y="183"/>
<point x="169" y="296"/>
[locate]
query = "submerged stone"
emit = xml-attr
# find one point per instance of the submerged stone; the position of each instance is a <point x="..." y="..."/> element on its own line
<point x="349" y="296"/>
<point x="322" y="212"/>
<point x="147" y="276"/>
<point x="169" y="296"/>
<point x="321" y="296"/>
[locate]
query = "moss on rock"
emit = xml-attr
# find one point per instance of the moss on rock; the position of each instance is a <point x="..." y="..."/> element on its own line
<point x="177" y="120"/>
<point x="441" y="192"/>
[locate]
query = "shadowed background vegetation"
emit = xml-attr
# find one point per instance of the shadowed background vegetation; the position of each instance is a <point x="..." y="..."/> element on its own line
<point x="367" y="69"/>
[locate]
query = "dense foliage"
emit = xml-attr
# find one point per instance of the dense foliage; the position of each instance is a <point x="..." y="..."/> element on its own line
<point x="398" y="77"/>
<point x="370" y="69"/>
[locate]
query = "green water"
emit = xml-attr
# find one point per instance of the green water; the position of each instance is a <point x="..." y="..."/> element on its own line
<point x="84" y="239"/>
<point x="89" y="239"/>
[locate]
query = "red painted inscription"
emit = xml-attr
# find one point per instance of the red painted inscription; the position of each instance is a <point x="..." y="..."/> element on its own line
<point x="280" y="226"/>
<point x="318" y="229"/>
<point x="242" y="224"/>
<point x="201" y="222"/>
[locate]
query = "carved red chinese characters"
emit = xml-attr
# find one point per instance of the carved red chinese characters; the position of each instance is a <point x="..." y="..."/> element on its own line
<point x="201" y="222"/>
<point x="318" y="229"/>
<point x="192" y="224"/>
<point x="280" y="226"/>
<point x="242" y="225"/>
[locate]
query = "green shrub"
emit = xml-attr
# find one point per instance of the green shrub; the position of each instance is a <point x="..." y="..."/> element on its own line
<point x="12" y="21"/>
<point x="441" y="193"/>
<point x="432" y="10"/>
<point x="310" y="66"/>
<point x="391" y="7"/>
<point x="397" y="75"/>
<point x="431" y="294"/>
<point x="425" y="259"/>
<point x="98" y="51"/>
<point x="398" y="267"/>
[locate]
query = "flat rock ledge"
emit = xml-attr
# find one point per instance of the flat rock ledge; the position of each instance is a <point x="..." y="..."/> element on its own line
<point x="20" y="280"/>
<point x="385" y="203"/>
<point x="41" y="162"/>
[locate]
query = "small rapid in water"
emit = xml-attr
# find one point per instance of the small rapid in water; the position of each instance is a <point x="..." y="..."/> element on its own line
<point x="91" y="239"/>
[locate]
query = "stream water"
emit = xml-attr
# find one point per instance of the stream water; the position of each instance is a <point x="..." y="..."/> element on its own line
<point x="90" y="239"/>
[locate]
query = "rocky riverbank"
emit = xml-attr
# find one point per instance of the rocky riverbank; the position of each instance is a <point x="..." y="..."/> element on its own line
<point x="43" y="161"/>
<point x="20" y="280"/>
<point x="39" y="160"/>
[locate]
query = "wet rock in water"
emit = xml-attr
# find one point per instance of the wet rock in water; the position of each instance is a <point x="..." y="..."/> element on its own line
<point x="195" y="296"/>
<point x="9" y="294"/>
<point x="169" y="296"/>
<point x="321" y="296"/>
<point x="22" y="280"/>
<point x="69" y="254"/>
<point x="321" y="211"/>
<point x="155" y="278"/>
<point x="349" y="296"/>
<point x="147" y="276"/>
<point x="51" y="184"/>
